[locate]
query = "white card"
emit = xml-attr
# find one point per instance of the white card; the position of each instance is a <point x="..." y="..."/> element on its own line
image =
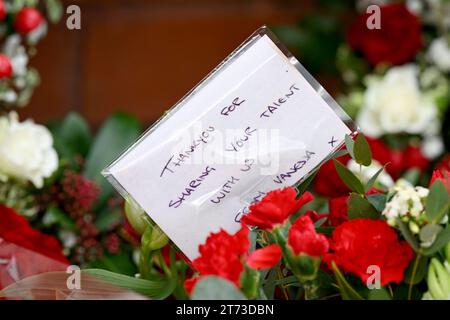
<point x="259" y="122"/>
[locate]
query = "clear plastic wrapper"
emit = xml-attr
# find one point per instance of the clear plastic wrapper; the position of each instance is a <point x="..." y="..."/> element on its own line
<point x="28" y="275"/>
<point x="257" y="122"/>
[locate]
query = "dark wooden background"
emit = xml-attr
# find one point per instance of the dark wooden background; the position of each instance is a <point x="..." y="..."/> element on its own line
<point x="141" y="56"/>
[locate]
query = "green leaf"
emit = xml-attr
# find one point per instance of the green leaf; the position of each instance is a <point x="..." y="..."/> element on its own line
<point x="347" y="291"/>
<point x="360" y="207"/>
<point x="378" y="201"/>
<point x="250" y="279"/>
<point x="416" y="270"/>
<point x="349" y="144"/>
<point x="116" y="134"/>
<point x="215" y="288"/>
<point x="54" y="215"/>
<point x="361" y="150"/>
<point x="429" y="233"/>
<point x="303" y="186"/>
<point x="412" y="176"/>
<point x="379" y="294"/>
<point x="349" y="178"/>
<point x="154" y="289"/>
<point x="108" y="218"/>
<point x="72" y="137"/>
<point x="373" y="179"/>
<point x="269" y="283"/>
<point x="408" y="235"/>
<point x="438" y="202"/>
<point x="118" y="263"/>
<point x="54" y="10"/>
<point x="338" y="154"/>
<point x="441" y="240"/>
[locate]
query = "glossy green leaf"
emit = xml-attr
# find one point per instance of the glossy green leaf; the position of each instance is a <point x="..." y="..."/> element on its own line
<point x="349" y="178"/>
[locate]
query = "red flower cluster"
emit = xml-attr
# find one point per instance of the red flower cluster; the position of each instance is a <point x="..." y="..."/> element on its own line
<point x="275" y="208"/>
<point x="224" y="255"/>
<point x="15" y="229"/>
<point x="396" y="42"/>
<point x="302" y="238"/>
<point x="360" y="243"/>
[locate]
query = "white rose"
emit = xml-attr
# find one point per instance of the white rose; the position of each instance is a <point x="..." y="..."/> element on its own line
<point x="439" y="54"/>
<point x="26" y="150"/>
<point x="394" y="104"/>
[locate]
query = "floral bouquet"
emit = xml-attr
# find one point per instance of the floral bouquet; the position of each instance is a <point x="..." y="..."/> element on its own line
<point x="371" y="223"/>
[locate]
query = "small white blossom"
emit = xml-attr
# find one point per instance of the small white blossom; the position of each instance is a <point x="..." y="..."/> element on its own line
<point x="439" y="54"/>
<point x="407" y="201"/>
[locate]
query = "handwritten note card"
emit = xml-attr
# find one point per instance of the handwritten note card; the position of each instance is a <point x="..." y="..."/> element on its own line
<point x="256" y="124"/>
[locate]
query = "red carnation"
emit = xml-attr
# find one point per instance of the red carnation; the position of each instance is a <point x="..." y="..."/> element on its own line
<point x="2" y="10"/>
<point x="264" y="258"/>
<point x="275" y="208"/>
<point x="5" y="67"/>
<point x="360" y="243"/>
<point x="338" y="208"/>
<point x="27" y="20"/>
<point x="302" y="238"/>
<point x="224" y="255"/>
<point x="396" y="42"/>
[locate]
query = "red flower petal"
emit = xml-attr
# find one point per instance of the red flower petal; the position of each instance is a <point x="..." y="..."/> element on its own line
<point x="264" y="258"/>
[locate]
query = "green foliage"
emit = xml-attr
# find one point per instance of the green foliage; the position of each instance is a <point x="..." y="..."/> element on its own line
<point x="347" y="291"/>
<point x="360" y="207"/>
<point x="116" y="134"/>
<point x="438" y="202"/>
<point x="349" y="178"/>
<point x="314" y="31"/>
<point x="216" y="288"/>
<point x="54" y="216"/>
<point x="416" y="270"/>
<point x="54" y="10"/>
<point x="72" y="137"/>
<point x="408" y="235"/>
<point x="441" y="240"/>
<point x="361" y="151"/>
<point x="154" y="289"/>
